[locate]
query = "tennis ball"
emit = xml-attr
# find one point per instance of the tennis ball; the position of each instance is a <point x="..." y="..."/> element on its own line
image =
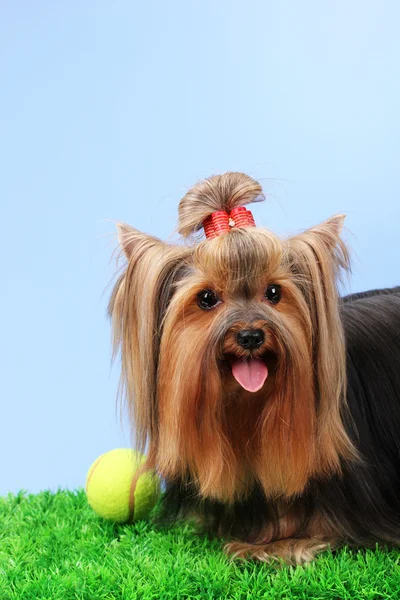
<point x="113" y="490"/>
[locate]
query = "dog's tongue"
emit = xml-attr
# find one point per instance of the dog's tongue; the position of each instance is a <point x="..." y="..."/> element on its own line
<point x="250" y="373"/>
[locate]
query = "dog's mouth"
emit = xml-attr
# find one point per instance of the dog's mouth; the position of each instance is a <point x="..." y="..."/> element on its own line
<point x="251" y="372"/>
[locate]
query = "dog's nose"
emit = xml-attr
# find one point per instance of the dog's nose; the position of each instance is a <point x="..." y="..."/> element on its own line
<point x="250" y="339"/>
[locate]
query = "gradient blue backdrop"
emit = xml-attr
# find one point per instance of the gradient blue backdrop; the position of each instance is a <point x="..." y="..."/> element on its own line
<point x="111" y="110"/>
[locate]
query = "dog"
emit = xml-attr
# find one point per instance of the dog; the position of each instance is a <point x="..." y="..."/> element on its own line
<point x="269" y="405"/>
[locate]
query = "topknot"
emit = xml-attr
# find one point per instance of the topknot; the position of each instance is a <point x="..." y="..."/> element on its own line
<point x="219" y="192"/>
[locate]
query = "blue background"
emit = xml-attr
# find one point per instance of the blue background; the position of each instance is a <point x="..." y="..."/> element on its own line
<point x="111" y="110"/>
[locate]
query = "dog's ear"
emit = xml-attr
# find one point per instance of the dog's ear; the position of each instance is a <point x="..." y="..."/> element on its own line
<point x="327" y="233"/>
<point x="125" y="238"/>
<point x="321" y="245"/>
<point x="318" y="259"/>
<point x="333" y="225"/>
<point x="137" y="307"/>
<point x="336" y="223"/>
<point x="132" y="240"/>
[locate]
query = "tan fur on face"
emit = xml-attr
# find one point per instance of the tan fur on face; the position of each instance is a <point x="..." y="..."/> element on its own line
<point x="200" y="424"/>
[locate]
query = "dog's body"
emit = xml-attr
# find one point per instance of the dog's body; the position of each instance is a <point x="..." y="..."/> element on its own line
<point x="362" y="505"/>
<point x="237" y="359"/>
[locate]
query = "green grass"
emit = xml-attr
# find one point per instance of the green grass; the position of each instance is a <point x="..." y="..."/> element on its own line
<point x="52" y="546"/>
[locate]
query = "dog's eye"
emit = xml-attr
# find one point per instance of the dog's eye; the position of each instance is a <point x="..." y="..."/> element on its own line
<point x="273" y="293"/>
<point x="207" y="299"/>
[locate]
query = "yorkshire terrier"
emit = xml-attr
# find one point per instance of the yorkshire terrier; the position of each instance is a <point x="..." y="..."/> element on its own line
<point x="269" y="404"/>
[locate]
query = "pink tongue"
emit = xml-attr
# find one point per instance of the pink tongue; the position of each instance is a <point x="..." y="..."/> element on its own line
<point x="250" y="373"/>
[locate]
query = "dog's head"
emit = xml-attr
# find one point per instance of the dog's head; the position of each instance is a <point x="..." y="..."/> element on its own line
<point x="232" y="349"/>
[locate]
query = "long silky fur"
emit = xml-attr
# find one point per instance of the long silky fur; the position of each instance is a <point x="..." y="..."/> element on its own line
<point x="362" y="503"/>
<point x="297" y="432"/>
<point x="137" y="306"/>
<point x="315" y="456"/>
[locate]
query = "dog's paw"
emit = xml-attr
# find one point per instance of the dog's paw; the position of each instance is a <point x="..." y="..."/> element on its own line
<point x="291" y="551"/>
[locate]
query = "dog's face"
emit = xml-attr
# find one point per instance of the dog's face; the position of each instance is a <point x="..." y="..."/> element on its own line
<point x="239" y="310"/>
<point x="233" y="358"/>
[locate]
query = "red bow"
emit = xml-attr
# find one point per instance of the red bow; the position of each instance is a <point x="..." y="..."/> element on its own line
<point x="220" y="221"/>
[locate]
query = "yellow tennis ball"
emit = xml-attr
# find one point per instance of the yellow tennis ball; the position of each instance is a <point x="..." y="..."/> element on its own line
<point x="113" y="490"/>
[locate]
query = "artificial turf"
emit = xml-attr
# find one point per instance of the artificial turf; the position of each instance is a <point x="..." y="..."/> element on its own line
<point x="52" y="546"/>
